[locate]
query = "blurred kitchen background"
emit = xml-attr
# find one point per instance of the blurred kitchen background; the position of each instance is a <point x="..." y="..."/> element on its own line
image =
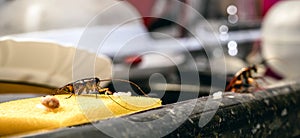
<point x="152" y="43"/>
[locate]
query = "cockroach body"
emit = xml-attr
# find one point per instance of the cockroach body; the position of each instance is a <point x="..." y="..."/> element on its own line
<point x="89" y="85"/>
<point x="243" y="80"/>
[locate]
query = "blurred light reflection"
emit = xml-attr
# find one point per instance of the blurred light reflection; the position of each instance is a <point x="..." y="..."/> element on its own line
<point x="233" y="19"/>
<point x="232" y="10"/>
<point x="232" y="48"/>
<point x="223" y="29"/>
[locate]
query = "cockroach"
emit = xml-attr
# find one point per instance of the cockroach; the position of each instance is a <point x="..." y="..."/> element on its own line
<point x="243" y="80"/>
<point x="90" y="85"/>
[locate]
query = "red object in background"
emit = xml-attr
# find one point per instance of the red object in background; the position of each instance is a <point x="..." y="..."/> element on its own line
<point x="133" y="60"/>
<point x="266" y="5"/>
<point x="144" y="7"/>
<point x="269" y="72"/>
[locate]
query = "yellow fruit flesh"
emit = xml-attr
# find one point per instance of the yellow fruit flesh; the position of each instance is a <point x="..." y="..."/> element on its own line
<point x="28" y="115"/>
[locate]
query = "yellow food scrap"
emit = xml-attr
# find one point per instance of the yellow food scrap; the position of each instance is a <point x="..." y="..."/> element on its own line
<point x="27" y="115"/>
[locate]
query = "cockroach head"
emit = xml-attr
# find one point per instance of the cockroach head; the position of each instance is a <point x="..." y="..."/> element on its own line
<point x="254" y="68"/>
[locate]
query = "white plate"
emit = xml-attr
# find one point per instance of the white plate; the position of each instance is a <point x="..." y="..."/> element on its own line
<point x="49" y="63"/>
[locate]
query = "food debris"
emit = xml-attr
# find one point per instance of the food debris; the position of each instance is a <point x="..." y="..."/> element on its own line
<point x="284" y="112"/>
<point x="50" y="102"/>
<point x="122" y="93"/>
<point x="217" y="95"/>
<point x="254" y="130"/>
<point x="230" y="96"/>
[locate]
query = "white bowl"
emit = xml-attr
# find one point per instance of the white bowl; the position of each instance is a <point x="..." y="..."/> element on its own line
<point x="49" y="63"/>
<point x="281" y="38"/>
